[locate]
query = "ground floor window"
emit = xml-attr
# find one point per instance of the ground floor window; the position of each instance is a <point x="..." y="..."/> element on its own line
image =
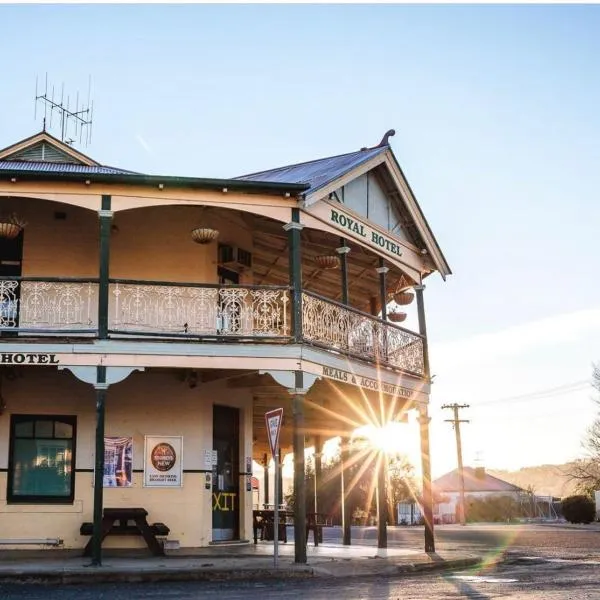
<point x="41" y="467"/>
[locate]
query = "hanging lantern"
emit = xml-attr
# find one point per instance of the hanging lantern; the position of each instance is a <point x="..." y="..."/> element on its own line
<point x="328" y="261"/>
<point x="396" y="317"/>
<point x="204" y="235"/>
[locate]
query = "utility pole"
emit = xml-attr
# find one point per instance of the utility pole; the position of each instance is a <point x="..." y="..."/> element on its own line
<point x="456" y="424"/>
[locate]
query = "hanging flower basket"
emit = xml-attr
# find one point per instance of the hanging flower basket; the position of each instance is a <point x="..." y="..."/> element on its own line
<point x="328" y="261"/>
<point x="10" y="226"/>
<point x="396" y="317"/>
<point x="404" y="298"/>
<point x="204" y="235"/>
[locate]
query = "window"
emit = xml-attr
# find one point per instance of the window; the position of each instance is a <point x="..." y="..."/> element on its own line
<point x="42" y="459"/>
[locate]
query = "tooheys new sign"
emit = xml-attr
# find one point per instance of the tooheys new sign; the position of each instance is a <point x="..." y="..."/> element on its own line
<point x="273" y="420"/>
<point x="163" y="461"/>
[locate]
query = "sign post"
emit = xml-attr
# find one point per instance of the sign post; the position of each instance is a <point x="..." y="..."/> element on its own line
<point x="273" y="420"/>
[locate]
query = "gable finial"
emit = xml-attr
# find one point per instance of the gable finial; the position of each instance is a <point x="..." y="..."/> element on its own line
<point x="385" y="139"/>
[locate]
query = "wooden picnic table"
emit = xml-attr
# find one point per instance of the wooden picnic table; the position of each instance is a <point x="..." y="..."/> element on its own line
<point x="127" y="521"/>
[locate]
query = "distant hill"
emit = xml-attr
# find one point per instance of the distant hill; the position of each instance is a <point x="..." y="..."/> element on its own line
<point x="546" y="480"/>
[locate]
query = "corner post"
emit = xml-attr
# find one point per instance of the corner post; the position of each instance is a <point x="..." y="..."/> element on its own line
<point x="295" y="265"/>
<point x="381" y="501"/>
<point x="424" y="420"/>
<point x="105" y="215"/>
<point x="383" y="338"/>
<point x="423" y="329"/>
<point x="101" y="387"/>
<point x="299" y="478"/>
<point x="343" y="251"/>
<point x="346" y="516"/>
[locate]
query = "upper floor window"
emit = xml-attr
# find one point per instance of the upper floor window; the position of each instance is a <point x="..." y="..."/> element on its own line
<point x="41" y="459"/>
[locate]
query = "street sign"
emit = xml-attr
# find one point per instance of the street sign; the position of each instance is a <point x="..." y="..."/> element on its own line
<point x="273" y="419"/>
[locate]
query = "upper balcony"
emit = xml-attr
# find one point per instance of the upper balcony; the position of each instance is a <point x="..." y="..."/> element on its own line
<point x="310" y="254"/>
<point x="163" y="286"/>
<point x="31" y="307"/>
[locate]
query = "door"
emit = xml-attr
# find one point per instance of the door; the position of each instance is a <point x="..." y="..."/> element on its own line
<point x="226" y="474"/>
<point x="11" y="259"/>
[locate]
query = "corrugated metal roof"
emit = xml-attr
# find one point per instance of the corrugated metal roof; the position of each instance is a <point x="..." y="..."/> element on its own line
<point x="316" y="173"/>
<point x="475" y="481"/>
<point x="51" y="167"/>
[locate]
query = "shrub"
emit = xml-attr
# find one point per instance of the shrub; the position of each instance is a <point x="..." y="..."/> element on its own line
<point x="578" y="509"/>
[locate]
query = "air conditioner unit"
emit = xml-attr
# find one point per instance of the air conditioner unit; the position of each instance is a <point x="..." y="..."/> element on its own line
<point x="234" y="257"/>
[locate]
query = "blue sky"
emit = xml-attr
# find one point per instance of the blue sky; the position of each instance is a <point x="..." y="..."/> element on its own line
<point x="498" y="132"/>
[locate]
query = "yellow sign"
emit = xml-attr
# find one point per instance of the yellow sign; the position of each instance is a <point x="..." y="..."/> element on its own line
<point x="367" y="383"/>
<point x="224" y="501"/>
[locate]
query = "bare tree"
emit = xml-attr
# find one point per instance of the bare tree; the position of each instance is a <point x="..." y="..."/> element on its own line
<point x="586" y="471"/>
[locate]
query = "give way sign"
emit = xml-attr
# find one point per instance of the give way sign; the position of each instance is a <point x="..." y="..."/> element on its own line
<point x="273" y="419"/>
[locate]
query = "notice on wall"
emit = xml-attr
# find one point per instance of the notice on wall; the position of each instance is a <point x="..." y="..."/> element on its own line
<point x="163" y="461"/>
<point x="118" y="461"/>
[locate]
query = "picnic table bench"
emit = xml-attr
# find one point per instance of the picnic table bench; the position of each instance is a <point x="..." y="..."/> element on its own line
<point x="127" y="521"/>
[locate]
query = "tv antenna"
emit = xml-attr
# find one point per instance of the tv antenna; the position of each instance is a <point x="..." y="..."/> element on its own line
<point x="75" y="119"/>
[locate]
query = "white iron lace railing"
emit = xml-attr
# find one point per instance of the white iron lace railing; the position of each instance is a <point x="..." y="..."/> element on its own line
<point x="332" y="325"/>
<point x="48" y="305"/>
<point x="198" y="310"/>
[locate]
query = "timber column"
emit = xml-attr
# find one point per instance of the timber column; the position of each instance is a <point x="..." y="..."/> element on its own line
<point x="424" y="431"/>
<point x="293" y="228"/>
<point x="105" y="215"/>
<point x="101" y="387"/>
<point x="346" y="513"/>
<point x="299" y="467"/>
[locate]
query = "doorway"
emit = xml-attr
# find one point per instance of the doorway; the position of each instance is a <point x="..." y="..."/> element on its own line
<point x="226" y="474"/>
<point x="11" y="265"/>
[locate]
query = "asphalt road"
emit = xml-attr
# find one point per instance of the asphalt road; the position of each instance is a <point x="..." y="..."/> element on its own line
<point x="540" y="563"/>
<point x="550" y="541"/>
<point x="528" y="580"/>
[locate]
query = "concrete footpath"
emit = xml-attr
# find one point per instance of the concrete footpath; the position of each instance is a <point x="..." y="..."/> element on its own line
<point x="220" y="563"/>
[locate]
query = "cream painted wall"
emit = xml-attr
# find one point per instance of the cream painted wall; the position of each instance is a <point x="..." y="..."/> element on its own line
<point x="151" y="243"/>
<point x="365" y="196"/>
<point x="54" y="247"/>
<point x="154" y="403"/>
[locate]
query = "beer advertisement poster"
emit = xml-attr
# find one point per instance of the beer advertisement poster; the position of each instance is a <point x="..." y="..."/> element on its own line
<point x="163" y="461"/>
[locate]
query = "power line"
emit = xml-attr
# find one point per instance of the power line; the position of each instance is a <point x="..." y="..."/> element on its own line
<point x="456" y="424"/>
<point x="566" y="388"/>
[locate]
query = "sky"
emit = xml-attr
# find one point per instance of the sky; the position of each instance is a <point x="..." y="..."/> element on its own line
<point x="497" y="130"/>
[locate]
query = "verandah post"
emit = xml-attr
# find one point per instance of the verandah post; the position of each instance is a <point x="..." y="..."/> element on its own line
<point x="100" y="387"/>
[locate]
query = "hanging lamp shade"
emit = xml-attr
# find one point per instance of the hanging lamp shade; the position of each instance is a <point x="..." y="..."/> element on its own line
<point x="204" y="235"/>
<point x="328" y="261"/>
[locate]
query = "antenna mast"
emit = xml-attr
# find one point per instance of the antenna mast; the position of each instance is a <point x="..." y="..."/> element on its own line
<point x="74" y="120"/>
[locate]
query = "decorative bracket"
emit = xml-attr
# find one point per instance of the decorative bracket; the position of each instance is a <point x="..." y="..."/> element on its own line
<point x="88" y="374"/>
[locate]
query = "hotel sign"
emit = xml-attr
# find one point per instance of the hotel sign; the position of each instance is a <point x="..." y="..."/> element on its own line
<point x="28" y="358"/>
<point x="362" y="230"/>
<point x="367" y="383"/>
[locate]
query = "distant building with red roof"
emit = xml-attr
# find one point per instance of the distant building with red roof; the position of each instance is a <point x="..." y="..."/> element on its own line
<point x="478" y="484"/>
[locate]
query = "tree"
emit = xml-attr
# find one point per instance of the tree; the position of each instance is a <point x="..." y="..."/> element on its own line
<point x="360" y="479"/>
<point x="578" y="509"/>
<point x="586" y="471"/>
